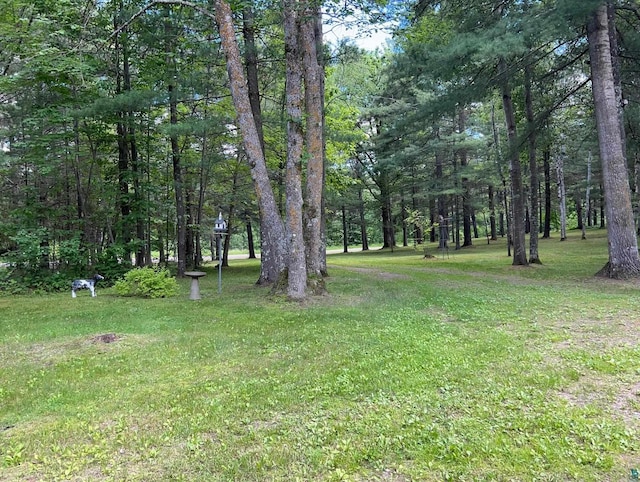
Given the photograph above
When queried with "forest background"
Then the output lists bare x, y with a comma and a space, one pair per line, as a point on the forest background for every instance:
129, 126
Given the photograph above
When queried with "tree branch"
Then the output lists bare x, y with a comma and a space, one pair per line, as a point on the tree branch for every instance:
153, 3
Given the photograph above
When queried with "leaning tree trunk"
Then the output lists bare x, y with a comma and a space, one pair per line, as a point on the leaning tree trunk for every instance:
517, 197
251, 61
273, 247
624, 261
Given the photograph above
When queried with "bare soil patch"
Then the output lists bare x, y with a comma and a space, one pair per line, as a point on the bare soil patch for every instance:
106, 338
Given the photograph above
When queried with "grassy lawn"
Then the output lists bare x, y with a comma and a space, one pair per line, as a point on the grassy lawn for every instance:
451, 368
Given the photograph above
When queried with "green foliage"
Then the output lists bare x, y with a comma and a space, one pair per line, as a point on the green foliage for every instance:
72, 255
147, 283
111, 262
39, 281
29, 264
31, 249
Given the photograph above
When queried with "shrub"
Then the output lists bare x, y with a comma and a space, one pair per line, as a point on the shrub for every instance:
147, 283
72, 256
32, 250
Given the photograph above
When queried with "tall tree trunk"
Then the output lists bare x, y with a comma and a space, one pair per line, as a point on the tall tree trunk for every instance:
80, 198
124, 202
136, 175
252, 251
506, 212
345, 232
635, 189
456, 208
603, 223
492, 213
273, 242
441, 203
311, 50
190, 236
232, 209
467, 209
546, 157
181, 223
388, 231
363, 222
296, 266
624, 261
587, 196
580, 215
141, 245
203, 182
251, 63
417, 227
517, 195
403, 217
562, 195
534, 256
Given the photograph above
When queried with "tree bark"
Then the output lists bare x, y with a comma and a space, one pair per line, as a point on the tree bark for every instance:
251, 61
296, 266
273, 242
345, 232
562, 196
123, 200
311, 50
624, 261
181, 224
252, 251
546, 157
492, 213
363, 222
467, 209
534, 256
517, 197
388, 230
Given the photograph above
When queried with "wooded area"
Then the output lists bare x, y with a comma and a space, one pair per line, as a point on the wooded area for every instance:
128, 126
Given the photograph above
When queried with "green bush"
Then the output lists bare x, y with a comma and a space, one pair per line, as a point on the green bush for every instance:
147, 283
32, 250
73, 257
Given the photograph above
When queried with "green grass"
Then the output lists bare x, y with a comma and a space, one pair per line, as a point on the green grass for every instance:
451, 368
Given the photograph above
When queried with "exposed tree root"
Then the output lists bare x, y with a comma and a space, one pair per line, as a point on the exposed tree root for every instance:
619, 272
